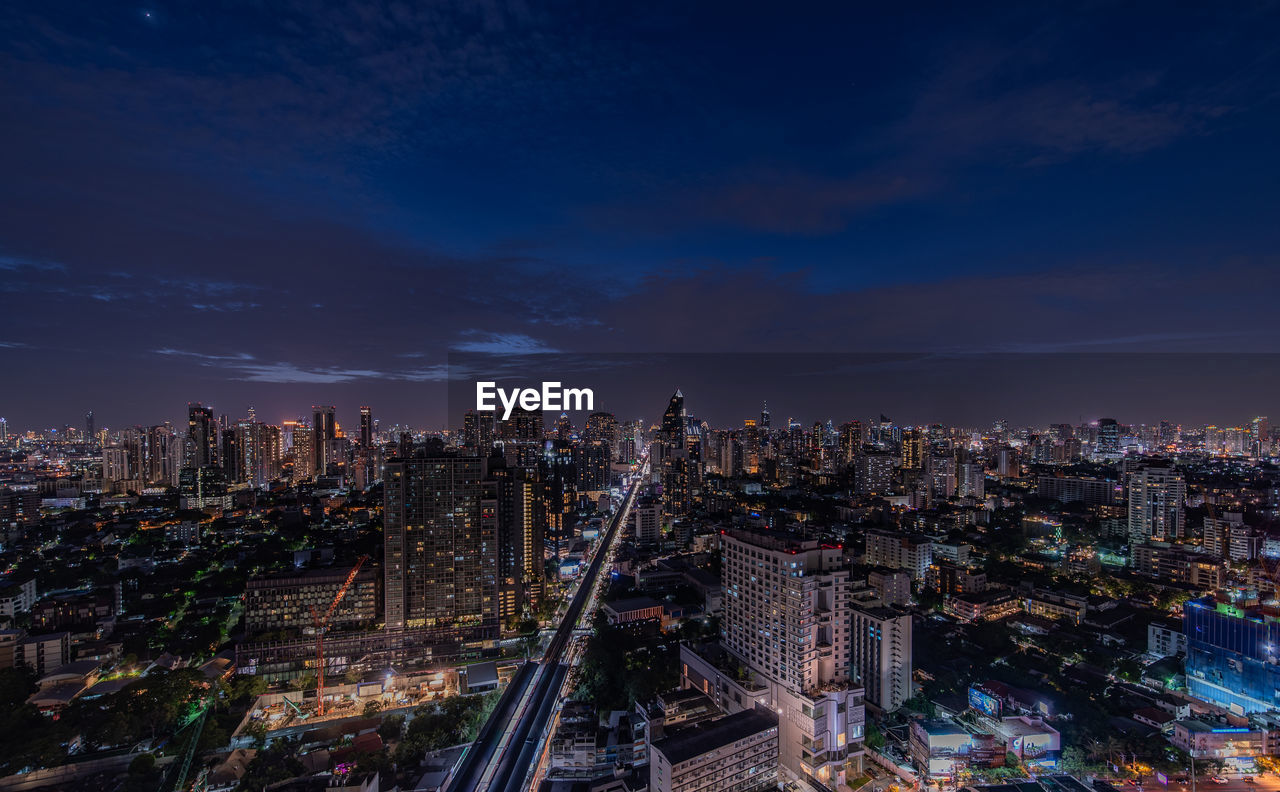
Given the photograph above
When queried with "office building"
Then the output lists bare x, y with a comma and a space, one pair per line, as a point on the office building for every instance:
671, 461
366, 427
324, 429
201, 448
1233, 655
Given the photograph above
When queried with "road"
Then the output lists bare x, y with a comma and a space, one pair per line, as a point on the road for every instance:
504, 752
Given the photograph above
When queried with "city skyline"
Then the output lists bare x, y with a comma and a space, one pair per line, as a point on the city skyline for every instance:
973, 390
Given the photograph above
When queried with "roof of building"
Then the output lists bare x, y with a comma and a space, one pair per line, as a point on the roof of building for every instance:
632, 604
79, 669
709, 735
482, 674
1153, 714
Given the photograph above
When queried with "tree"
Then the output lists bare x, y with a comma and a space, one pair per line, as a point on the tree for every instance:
142, 764
372, 708
873, 738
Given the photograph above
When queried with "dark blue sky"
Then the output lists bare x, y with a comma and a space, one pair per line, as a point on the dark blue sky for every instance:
287, 203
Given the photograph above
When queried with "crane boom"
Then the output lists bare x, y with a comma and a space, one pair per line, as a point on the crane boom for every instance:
322, 623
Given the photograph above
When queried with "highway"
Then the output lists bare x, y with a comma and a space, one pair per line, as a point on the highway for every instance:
507, 747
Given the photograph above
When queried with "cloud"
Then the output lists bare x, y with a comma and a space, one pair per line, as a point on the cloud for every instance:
13, 264
247, 368
501, 344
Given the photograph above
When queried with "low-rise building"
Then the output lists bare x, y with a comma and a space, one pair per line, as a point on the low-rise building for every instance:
1165, 639
735, 752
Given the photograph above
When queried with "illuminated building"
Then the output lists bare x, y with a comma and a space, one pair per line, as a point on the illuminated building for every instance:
1108, 437
366, 427
440, 540
738, 752
304, 454
1233, 655
516, 495
786, 609
911, 552
324, 439
671, 459
750, 446
880, 654
850, 441
287, 602
1156, 495
153, 454
477, 432
1228, 537
872, 473
1215, 741
1090, 491
521, 435
201, 448
912, 449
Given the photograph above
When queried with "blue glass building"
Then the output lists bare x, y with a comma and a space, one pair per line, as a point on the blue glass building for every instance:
1233, 655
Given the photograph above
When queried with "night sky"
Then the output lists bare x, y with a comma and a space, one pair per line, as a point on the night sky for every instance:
290, 203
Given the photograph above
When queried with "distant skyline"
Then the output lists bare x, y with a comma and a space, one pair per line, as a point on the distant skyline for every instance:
724, 389
303, 203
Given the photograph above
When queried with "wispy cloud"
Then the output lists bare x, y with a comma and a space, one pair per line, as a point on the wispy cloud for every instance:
501, 344
245, 367
13, 264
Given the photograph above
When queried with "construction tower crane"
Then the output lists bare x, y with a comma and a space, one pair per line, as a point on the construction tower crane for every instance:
322, 622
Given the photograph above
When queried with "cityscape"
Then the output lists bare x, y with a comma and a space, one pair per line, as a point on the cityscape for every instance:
567, 396
577, 601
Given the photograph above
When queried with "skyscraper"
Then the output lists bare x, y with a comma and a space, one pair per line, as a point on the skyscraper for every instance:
1108, 436
603, 426
912, 449
366, 427
303, 451
521, 435
850, 441
201, 448
440, 543
516, 497
751, 446
786, 614
1156, 495
477, 432
672, 458
325, 432
88, 426
880, 649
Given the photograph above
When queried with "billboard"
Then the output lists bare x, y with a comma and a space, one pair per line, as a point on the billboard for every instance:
984, 702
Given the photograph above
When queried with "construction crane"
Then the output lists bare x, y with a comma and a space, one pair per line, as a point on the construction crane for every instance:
322, 622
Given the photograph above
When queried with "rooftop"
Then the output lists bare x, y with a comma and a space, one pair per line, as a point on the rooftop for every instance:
709, 735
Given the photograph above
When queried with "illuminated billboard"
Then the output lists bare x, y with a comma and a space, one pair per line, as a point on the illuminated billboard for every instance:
984, 702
